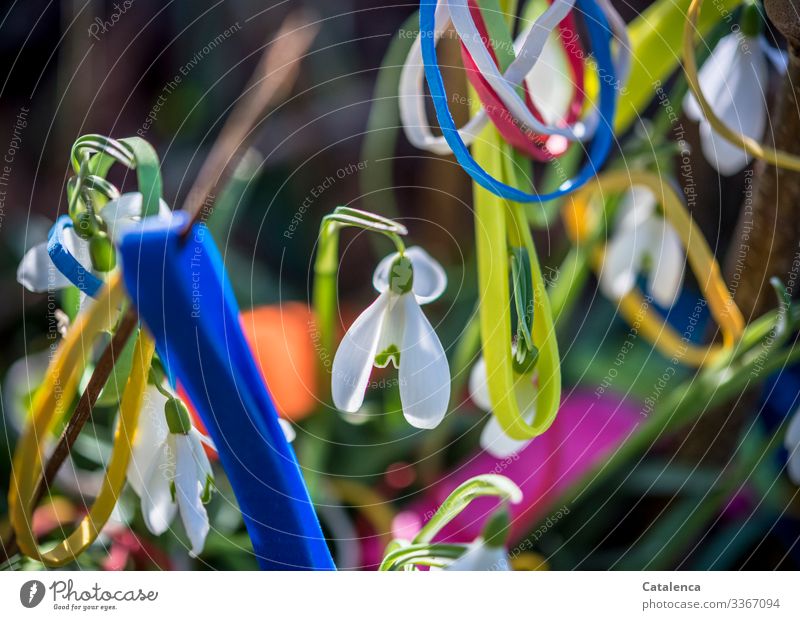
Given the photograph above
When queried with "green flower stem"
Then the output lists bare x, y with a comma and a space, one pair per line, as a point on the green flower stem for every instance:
487, 485
542, 214
324, 299
424, 554
572, 275
148, 174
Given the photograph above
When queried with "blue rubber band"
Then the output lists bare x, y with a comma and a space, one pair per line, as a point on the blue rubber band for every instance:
186, 301
66, 263
600, 37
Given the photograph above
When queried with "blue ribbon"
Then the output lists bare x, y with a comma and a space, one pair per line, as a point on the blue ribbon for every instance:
66, 263
600, 37
183, 294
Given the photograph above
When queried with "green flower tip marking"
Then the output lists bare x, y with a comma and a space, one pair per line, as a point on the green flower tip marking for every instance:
102, 252
401, 276
390, 354
751, 22
496, 530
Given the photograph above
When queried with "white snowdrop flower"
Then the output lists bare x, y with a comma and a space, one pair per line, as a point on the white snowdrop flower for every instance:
643, 239
394, 329
38, 274
734, 80
493, 438
169, 469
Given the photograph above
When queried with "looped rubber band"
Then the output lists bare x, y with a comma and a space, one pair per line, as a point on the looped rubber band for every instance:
413, 116
600, 37
497, 228
464, 13
62, 378
66, 263
505, 85
539, 147
633, 306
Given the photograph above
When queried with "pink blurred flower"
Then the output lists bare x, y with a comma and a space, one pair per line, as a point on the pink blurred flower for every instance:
586, 431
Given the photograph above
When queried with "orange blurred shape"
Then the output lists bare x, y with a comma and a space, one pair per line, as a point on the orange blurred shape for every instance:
282, 343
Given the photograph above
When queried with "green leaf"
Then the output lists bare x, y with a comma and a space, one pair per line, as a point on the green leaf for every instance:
148, 174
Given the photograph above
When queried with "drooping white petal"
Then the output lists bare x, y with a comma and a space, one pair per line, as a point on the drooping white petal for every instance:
430, 279
352, 363
195, 439
621, 262
148, 442
712, 75
390, 342
667, 261
188, 492
424, 372
288, 430
480, 557
479, 385
723, 156
158, 509
550, 81
125, 211
635, 206
740, 103
37, 273
494, 439
19, 386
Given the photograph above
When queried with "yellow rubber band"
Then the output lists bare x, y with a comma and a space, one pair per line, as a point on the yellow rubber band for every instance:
781, 159
62, 376
28, 459
633, 307
498, 224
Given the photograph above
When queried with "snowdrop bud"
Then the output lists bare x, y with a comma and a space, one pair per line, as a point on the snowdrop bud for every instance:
495, 532
102, 252
177, 417
86, 224
751, 22
401, 276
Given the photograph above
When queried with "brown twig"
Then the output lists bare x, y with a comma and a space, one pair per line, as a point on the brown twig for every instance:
272, 79
83, 411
